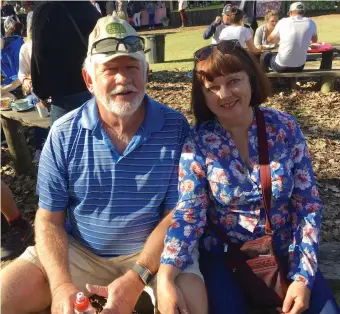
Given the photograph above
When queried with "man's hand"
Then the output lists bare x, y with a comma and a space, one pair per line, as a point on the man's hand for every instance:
63, 298
297, 299
170, 298
122, 294
218, 20
27, 85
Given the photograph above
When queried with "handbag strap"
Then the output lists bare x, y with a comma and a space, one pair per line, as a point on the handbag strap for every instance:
265, 177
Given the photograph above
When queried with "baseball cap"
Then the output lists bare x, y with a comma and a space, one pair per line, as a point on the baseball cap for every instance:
112, 37
297, 6
227, 9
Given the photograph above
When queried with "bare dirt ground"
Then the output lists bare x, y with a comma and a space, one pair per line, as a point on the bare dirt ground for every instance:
318, 115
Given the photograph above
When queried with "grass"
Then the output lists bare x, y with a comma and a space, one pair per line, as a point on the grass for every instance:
180, 44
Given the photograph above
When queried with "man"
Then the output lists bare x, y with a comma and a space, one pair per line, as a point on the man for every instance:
215, 28
294, 34
111, 167
60, 33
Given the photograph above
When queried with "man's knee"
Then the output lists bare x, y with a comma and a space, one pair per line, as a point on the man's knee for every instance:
18, 280
193, 288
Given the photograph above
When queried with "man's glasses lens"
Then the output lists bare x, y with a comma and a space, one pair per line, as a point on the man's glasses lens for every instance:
112, 45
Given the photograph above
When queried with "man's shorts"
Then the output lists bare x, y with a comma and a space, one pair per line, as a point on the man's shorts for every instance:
88, 268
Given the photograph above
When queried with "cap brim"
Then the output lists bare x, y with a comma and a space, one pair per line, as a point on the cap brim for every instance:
104, 58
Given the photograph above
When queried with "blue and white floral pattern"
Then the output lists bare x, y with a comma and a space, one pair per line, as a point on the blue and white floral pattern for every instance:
214, 182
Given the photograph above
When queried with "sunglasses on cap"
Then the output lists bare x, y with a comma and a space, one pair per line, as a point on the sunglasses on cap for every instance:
112, 45
224, 46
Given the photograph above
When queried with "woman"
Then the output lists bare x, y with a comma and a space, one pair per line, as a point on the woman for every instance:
262, 33
239, 32
219, 181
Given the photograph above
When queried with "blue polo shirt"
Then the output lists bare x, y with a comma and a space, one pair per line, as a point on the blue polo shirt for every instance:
113, 201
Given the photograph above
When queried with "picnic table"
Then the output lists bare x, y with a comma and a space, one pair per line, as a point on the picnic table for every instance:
12, 122
325, 71
327, 54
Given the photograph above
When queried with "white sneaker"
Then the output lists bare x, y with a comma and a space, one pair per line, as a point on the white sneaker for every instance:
36, 156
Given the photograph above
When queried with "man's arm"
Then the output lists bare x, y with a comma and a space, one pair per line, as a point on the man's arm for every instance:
123, 293
151, 254
210, 31
315, 38
274, 37
52, 246
52, 249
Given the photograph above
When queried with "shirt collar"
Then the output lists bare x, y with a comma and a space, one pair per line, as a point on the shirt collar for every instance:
153, 121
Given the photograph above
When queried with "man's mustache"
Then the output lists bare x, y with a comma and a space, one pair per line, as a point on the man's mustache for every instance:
123, 89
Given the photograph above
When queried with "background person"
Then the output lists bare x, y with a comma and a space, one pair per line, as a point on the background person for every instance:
59, 44
182, 5
219, 181
16, 232
96, 5
137, 9
110, 168
238, 32
294, 34
215, 28
10, 51
262, 33
151, 8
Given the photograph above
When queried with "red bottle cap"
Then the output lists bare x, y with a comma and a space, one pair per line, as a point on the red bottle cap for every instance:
81, 303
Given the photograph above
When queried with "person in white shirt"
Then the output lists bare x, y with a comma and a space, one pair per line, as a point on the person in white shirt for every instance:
239, 32
294, 34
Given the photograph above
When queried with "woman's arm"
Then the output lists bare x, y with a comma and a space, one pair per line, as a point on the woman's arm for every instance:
189, 219
306, 208
258, 37
252, 48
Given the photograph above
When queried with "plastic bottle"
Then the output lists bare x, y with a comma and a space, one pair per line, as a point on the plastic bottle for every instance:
82, 305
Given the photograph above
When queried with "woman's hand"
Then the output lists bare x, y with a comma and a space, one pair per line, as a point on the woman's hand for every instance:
297, 299
170, 299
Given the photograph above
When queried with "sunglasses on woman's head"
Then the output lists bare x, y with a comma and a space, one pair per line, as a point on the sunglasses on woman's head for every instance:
224, 46
112, 45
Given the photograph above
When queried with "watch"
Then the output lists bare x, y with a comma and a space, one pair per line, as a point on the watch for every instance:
144, 273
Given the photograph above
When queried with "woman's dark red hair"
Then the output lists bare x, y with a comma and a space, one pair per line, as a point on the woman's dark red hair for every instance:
219, 64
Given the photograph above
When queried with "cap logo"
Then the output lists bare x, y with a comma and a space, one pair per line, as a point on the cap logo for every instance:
115, 28
299, 6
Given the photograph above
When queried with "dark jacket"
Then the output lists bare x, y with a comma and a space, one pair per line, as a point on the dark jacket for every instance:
58, 50
214, 30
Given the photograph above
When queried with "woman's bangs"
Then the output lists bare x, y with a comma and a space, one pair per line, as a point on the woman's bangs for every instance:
218, 64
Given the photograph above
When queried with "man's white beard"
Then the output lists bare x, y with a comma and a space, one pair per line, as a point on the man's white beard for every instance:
122, 108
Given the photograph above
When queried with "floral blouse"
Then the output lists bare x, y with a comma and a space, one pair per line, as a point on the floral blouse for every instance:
215, 183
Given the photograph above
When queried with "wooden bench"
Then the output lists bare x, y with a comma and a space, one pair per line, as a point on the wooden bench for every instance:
327, 77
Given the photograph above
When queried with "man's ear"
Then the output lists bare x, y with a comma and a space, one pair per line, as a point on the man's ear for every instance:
88, 80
